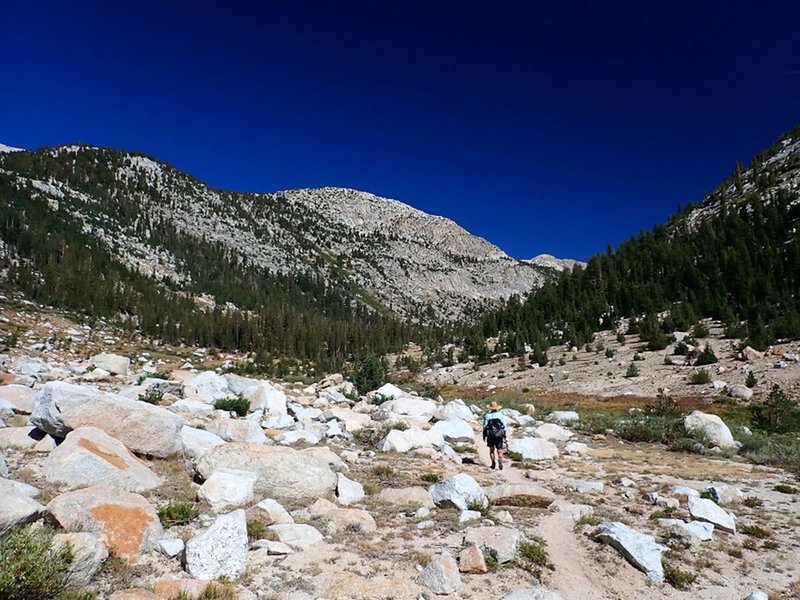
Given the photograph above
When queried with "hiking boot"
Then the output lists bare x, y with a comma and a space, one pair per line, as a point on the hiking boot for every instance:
501, 465
493, 465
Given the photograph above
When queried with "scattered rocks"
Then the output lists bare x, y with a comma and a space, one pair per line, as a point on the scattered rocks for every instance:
706, 510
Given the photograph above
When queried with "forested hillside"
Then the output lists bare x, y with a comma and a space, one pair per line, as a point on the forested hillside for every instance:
734, 257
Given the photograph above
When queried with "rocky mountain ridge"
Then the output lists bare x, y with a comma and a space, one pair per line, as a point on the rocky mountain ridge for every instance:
389, 253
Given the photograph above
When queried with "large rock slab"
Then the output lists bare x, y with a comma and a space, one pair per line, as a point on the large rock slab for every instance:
456, 409
533, 448
227, 489
562, 417
221, 550
712, 427
740, 392
127, 523
454, 430
502, 540
342, 519
706, 510
639, 549
411, 406
552, 432
266, 397
207, 387
441, 575
89, 456
143, 428
403, 441
18, 397
88, 553
283, 473
459, 491
415, 496
113, 363
520, 494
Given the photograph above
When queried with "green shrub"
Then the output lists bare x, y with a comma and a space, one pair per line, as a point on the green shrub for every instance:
609, 353
621, 339
257, 530
784, 488
30, 567
700, 330
755, 531
633, 371
430, 477
668, 360
700, 377
379, 399
70, 595
778, 413
239, 405
152, 395
177, 513
383, 471
680, 349
638, 357
678, 578
707, 357
751, 380
664, 405
753, 502
371, 373
213, 591
532, 556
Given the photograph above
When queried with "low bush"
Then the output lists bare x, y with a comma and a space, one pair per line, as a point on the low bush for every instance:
239, 405
707, 357
177, 513
700, 377
532, 556
152, 395
778, 413
30, 567
633, 370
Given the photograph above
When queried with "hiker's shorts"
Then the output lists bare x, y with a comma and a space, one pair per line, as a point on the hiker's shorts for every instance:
495, 443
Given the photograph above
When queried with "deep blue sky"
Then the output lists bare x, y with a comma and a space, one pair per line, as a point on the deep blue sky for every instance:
543, 126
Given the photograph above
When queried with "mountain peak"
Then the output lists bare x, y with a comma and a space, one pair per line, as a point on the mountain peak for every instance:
4, 148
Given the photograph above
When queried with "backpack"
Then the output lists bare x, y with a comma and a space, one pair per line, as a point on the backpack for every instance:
494, 428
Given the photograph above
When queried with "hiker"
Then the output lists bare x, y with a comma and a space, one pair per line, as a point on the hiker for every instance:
494, 433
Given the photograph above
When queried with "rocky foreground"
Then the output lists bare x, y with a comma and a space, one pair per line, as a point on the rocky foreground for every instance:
315, 493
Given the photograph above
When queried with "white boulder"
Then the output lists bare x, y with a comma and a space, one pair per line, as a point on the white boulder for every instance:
220, 551
459, 491
639, 549
533, 448
227, 489
711, 426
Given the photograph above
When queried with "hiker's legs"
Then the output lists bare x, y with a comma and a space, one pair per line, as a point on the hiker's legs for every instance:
492, 455
500, 457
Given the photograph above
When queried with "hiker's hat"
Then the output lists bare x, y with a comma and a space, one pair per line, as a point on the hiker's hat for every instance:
494, 405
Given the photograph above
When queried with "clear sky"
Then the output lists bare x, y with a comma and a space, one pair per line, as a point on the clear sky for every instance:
544, 126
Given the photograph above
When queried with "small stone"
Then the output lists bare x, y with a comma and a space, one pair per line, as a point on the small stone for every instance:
471, 560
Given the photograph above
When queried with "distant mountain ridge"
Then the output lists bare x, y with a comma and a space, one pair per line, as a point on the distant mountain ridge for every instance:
389, 255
